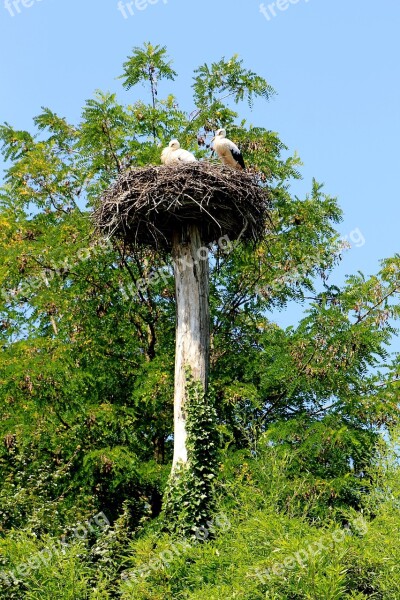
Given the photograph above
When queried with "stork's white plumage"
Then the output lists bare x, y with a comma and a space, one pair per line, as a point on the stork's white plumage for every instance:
173, 154
227, 151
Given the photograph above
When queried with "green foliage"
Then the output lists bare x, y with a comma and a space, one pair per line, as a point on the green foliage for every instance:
228, 77
188, 501
45, 569
261, 548
326, 463
86, 370
147, 65
268, 553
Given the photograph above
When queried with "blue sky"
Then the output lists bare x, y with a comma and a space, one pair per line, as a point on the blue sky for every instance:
334, 65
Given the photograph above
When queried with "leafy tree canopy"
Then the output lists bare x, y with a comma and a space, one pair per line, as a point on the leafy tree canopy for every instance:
86, 367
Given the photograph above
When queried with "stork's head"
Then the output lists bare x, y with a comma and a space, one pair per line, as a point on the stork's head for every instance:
221, 133
174, 145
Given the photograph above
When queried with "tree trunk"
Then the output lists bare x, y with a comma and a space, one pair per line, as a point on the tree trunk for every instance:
192, 325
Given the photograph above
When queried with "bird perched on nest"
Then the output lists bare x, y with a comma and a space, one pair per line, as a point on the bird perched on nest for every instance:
173, 154
227, 151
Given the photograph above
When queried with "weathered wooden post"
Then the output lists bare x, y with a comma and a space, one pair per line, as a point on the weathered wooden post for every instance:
192, 344
185, 210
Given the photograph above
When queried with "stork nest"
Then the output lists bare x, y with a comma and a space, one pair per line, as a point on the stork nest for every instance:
145, 206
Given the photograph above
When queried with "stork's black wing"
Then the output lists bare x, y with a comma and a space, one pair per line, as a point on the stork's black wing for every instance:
238, 156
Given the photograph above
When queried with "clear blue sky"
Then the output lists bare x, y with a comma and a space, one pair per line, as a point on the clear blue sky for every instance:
334, 64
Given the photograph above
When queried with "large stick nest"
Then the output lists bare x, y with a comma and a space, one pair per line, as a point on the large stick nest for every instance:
145, 206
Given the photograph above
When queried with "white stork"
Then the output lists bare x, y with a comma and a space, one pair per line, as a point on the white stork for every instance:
173, 154
227, 151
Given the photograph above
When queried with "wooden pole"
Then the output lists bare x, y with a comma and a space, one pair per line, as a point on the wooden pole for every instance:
191, 269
